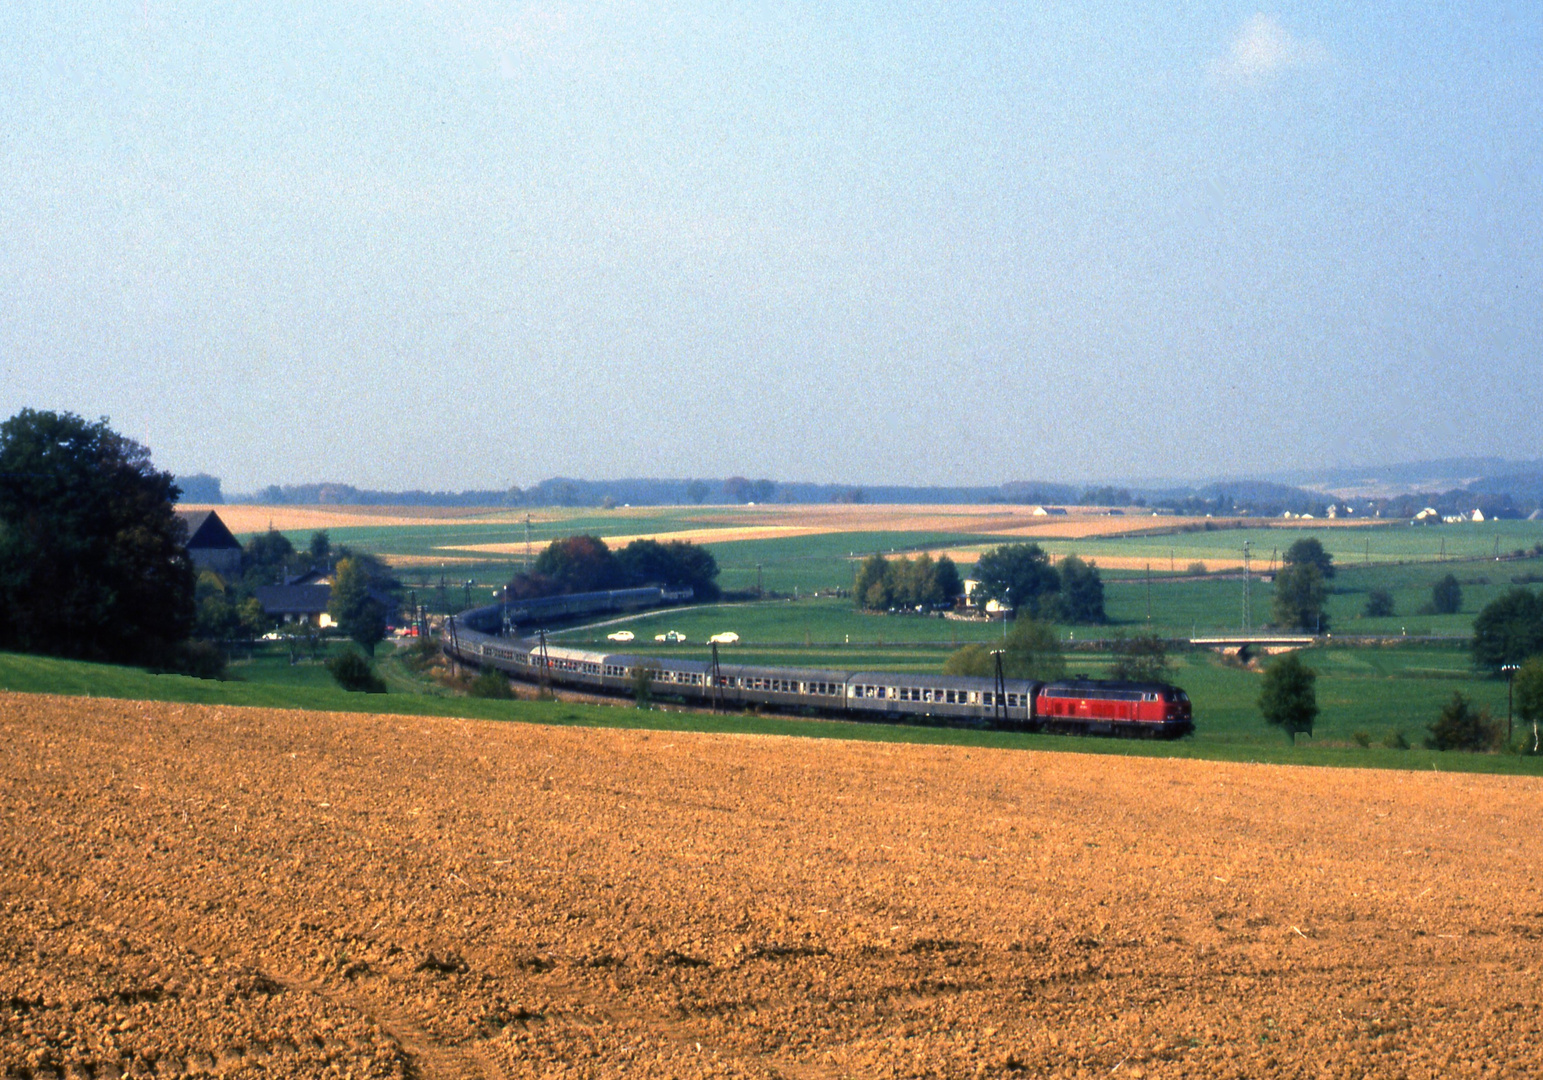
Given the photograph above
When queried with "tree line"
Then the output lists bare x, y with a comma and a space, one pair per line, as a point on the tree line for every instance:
577, 564
1018, 576
906, 583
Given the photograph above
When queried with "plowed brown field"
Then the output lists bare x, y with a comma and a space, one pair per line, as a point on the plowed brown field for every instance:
202, 891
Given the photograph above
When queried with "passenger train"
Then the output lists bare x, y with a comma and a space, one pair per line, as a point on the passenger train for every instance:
1073, 706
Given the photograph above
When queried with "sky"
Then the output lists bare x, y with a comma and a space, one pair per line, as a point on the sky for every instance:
458, 244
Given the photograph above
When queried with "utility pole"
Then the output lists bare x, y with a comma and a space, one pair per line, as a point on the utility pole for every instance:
1149, 592
1247, 581
527, 543
717, 682
544, 673
1510, 674
999, 706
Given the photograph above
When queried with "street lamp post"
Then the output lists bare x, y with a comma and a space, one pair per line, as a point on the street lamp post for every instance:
1510, 676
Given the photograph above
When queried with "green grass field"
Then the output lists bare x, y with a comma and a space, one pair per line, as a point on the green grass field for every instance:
1373, 691
1357, 546
1399, 557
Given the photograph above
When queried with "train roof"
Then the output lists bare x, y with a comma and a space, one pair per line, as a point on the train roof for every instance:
777, 672
1107, 684
663, 663
947, 682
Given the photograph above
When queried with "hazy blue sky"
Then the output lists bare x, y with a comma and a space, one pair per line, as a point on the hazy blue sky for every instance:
455, 243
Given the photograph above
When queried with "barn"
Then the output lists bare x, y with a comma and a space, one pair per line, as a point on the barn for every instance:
211, 545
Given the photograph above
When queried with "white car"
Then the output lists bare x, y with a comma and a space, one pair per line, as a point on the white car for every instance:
620, 635
670, 636
728, 637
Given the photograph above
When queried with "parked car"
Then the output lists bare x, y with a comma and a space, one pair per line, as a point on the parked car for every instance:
620, 635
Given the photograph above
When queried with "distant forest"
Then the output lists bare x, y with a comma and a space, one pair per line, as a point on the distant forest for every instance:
1512, 491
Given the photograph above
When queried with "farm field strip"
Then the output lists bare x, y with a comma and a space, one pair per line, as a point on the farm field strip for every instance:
251, 892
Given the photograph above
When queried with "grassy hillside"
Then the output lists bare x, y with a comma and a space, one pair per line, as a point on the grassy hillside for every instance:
1377, 692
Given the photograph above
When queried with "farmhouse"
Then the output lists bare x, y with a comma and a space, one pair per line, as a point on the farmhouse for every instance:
211, 546
296, 603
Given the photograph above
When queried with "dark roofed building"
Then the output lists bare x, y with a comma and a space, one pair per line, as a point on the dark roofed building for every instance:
211, 545
296, 603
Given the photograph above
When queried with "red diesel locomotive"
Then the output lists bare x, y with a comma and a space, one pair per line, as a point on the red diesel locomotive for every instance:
1095, 706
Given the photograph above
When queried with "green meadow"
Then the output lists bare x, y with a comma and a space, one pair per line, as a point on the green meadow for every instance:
1380, 680
1366, 694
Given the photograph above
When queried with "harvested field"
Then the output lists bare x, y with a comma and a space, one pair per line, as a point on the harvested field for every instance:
219, 891
241, 518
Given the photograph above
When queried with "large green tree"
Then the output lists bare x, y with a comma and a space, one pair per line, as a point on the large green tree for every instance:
1446, 596
1509, 630
1299, 597
1082, 591
1528, 689
266, 558
1308, 551
1289, 698
906, 583
580, 564
1020, 576
92, 556
674, 564
353, 607
949, 584
872, 587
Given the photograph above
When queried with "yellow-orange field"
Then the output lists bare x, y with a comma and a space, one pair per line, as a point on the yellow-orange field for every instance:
199, 891
723, 524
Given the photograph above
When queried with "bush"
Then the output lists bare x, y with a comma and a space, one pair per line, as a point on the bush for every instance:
1379, 604
1462, 727
1395, 740
492, 684
1196, 569
421, 655
643, 681
353, 672
1032, 651
1142, 658
1447, 596
200, 659
1363, 739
